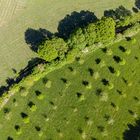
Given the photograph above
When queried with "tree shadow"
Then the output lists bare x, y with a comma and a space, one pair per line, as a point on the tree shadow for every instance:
3, 89
22, 74
74, 20
10, 81
117, 14
135, 10
133, 133
29, 68
110, 13
35, 37
137, 3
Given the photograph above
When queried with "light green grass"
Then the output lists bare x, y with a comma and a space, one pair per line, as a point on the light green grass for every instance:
17, 15
61, 114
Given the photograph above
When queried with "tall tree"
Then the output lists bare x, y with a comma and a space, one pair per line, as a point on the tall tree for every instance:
52, 49
105, 29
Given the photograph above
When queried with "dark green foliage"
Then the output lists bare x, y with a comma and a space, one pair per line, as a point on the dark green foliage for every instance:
52, 49
105, 30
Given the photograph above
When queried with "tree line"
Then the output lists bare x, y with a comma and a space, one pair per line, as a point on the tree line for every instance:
58, 48
102, 31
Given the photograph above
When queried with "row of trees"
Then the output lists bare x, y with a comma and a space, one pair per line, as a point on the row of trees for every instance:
101, 31
56, 48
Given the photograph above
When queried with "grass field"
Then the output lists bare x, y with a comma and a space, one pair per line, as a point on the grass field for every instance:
94, 98
17, 15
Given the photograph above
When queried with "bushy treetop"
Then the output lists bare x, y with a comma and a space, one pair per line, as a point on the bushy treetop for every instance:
105, 30
52, 49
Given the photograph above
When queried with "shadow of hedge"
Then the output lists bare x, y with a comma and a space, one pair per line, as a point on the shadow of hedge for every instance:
75, 20
35, 37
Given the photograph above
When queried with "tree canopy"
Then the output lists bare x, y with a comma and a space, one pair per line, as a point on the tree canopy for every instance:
137, 3
101, 31
52, 49
77, 39
105, 30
